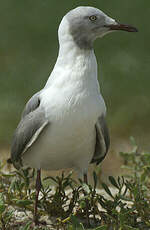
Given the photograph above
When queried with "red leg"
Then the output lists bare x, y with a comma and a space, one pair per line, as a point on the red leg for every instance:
87, 202
38, 187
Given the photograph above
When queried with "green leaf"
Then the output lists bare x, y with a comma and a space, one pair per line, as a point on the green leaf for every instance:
104, 227
2, 204
105, 187
76, 224
8, 175
51, 178
26, 227
23, 202
143, 177
126, 227
113, 181
125, 198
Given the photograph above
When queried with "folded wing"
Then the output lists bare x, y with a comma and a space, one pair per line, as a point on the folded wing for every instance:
32, 124
102, 141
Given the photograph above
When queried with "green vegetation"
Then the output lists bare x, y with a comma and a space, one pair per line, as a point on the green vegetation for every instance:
126, 205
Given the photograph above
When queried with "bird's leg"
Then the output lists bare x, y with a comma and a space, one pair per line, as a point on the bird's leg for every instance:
85, 178
38, 187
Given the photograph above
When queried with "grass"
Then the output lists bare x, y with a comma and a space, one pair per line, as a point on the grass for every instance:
126, 209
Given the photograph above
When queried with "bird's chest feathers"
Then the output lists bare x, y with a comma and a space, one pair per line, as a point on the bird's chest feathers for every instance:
73, 92
73, 105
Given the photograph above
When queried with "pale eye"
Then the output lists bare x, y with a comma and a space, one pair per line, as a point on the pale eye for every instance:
93, 18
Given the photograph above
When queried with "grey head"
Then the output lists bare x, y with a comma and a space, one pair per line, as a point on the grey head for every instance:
88, 23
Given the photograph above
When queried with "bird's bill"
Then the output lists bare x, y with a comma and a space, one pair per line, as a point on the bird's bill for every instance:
124, 27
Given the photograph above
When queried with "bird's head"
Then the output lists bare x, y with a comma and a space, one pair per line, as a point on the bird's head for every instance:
86, 24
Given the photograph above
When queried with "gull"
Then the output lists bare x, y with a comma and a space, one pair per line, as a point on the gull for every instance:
63, 125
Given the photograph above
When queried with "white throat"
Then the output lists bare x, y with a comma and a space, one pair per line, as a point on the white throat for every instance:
74, 65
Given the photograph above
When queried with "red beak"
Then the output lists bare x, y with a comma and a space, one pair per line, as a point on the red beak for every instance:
119, 26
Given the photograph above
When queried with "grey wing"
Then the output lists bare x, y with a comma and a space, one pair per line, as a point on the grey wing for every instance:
32, 124
102, 141
32, 104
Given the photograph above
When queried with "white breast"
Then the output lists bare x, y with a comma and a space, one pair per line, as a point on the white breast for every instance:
72, 104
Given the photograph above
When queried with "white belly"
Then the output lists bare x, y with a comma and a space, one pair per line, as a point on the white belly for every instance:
64, 147
69, 140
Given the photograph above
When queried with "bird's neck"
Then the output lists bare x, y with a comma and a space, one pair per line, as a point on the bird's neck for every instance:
74, 66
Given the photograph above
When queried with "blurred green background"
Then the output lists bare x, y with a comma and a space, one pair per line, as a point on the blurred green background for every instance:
28, 51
